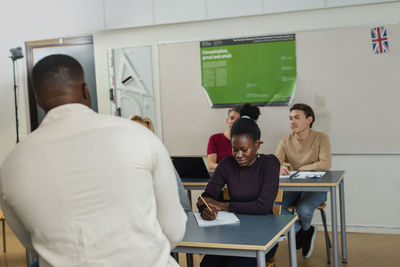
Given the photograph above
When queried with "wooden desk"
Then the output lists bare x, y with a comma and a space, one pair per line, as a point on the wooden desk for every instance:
254, 236
328, 183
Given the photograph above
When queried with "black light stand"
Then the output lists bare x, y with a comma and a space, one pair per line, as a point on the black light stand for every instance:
16, 53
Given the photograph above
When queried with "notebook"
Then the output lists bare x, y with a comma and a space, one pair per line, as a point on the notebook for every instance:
303, 175
223, 217
190, 167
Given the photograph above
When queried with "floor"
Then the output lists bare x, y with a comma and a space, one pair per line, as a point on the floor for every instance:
363, 250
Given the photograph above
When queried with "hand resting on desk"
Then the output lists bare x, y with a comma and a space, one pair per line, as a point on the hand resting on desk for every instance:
284, 171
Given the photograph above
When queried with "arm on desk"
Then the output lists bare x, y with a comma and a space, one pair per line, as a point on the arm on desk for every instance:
280, 153
212, 194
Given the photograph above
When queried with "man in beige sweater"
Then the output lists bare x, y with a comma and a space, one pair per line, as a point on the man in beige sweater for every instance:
305, 150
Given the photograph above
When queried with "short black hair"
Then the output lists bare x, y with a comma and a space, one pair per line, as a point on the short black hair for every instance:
54, 71
247, 124
306, 109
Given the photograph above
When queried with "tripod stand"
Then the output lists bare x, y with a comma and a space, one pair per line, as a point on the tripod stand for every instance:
16, 53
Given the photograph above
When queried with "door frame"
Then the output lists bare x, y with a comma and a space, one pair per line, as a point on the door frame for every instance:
29, 47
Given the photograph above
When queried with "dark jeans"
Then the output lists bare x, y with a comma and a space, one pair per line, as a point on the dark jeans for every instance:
231, 261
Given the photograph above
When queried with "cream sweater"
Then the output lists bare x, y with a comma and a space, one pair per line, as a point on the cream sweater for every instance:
91, 190
314, 153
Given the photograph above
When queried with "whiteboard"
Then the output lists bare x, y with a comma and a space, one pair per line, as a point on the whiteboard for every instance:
354, 94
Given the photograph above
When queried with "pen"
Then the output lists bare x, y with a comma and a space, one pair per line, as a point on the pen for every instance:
294, 175
206, 203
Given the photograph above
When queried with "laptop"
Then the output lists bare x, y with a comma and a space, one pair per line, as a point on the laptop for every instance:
190, 167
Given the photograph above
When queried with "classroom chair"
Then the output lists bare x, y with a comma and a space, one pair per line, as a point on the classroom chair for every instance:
3, 222
327, 239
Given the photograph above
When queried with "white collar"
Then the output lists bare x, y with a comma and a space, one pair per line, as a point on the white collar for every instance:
65, 111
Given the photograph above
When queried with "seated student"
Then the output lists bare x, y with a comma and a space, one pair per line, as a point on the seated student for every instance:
219, 145
146, 122
252, 179
305, 150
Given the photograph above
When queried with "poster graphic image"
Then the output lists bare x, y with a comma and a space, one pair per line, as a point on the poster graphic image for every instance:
259, 70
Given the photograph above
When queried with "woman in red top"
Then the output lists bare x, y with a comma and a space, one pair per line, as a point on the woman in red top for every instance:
219, 145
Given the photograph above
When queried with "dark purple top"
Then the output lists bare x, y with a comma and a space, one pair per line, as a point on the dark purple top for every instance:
252, 189
218, 143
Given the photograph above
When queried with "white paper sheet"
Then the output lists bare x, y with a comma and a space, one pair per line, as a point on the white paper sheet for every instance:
307, 175
288, 176
224, 217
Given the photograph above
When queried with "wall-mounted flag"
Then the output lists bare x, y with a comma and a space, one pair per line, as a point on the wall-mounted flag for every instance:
380, 43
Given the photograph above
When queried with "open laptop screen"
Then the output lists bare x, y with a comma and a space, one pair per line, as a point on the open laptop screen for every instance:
190, 167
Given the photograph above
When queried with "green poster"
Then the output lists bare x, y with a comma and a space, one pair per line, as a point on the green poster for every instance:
259, 70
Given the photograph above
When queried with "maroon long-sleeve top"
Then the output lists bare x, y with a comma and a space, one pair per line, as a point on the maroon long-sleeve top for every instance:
252, 189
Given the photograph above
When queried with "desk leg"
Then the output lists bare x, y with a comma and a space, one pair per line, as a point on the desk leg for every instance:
334, 227
292, 247
261, 258
189, 260
189, 194
343, 222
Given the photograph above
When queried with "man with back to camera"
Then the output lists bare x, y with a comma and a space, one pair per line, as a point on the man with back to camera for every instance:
305, 150
86, 189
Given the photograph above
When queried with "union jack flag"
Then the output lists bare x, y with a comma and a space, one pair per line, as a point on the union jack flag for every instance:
380, 43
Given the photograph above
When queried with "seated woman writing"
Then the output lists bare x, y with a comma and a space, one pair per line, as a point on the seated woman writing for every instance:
252, 180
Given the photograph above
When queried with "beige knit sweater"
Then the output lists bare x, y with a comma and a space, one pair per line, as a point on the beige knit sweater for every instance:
314, 153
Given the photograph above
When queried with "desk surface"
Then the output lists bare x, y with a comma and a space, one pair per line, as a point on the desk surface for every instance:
254, 232
331, 178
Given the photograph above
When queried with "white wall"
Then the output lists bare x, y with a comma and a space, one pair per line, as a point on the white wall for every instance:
24, 20
134, 13
362, 171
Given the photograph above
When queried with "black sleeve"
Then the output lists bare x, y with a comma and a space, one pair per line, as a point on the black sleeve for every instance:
214, 187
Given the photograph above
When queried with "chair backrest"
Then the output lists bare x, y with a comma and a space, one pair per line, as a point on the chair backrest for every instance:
276, 209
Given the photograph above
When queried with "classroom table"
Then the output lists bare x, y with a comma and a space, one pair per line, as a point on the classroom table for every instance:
327, 183
254, 236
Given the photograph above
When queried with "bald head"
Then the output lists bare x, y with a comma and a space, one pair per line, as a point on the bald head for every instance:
59, 80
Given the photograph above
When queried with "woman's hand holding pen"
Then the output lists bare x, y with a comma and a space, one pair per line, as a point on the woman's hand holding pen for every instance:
209, 214
212, 207
216, 204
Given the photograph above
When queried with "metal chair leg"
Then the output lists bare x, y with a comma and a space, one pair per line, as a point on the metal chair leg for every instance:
327, 239
189, 259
